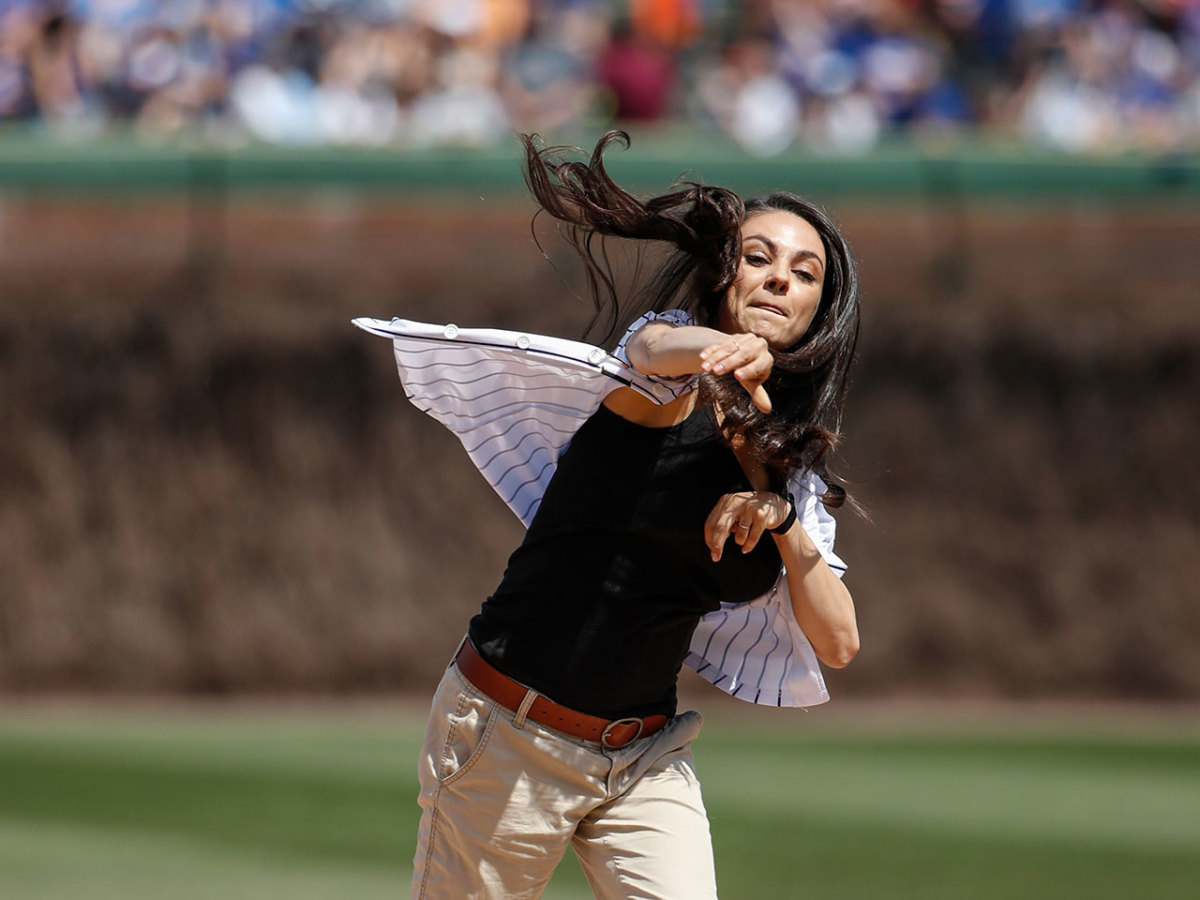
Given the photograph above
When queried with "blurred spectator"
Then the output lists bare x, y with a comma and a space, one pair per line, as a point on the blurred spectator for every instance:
54, 72
750, 99
639, 73
666, 23
833, 75
546, 80
463, 106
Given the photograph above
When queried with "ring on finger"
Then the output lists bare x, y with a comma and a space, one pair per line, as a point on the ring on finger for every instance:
743, 525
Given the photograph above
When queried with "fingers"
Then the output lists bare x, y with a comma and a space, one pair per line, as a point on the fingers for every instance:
748, 358
722, 522
747, 533
717, 528
737, 352
758, 396
741, 516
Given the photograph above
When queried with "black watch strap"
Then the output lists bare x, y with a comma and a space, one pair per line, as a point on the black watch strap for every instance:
784, 526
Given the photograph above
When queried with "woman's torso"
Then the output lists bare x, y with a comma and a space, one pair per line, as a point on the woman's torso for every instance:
597, 606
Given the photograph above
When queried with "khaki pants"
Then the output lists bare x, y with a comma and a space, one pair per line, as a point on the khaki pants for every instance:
502, 797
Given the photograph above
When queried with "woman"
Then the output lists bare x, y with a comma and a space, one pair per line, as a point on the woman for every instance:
687, 497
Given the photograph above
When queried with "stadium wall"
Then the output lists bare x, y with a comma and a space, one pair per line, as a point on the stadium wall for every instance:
211, 483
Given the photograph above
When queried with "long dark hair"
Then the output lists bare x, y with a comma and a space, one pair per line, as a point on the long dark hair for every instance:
700, 226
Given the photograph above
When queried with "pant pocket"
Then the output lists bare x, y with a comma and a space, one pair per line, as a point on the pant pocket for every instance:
674, 740
468, 726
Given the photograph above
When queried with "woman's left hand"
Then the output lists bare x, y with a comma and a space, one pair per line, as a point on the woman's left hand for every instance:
744, 516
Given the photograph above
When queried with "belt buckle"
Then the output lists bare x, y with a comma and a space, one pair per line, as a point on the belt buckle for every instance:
631, 720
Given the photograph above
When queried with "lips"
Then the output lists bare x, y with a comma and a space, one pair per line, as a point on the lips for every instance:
768, 307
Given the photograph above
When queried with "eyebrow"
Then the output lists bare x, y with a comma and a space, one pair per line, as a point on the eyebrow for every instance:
806, 254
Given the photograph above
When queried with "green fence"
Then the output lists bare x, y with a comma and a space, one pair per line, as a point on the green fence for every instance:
32, 163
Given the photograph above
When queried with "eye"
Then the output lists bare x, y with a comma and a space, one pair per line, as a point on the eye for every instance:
756, 259
804, 275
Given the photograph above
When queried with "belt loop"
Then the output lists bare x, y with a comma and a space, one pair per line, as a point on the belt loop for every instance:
523, 709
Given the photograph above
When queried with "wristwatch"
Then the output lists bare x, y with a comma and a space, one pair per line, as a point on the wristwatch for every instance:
784, 526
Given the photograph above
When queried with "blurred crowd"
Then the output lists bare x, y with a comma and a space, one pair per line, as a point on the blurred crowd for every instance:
835, 75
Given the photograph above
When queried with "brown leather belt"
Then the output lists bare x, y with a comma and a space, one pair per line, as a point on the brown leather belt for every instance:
611, 733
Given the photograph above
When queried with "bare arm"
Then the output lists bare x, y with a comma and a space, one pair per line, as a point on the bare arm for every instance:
821, 603
662, 349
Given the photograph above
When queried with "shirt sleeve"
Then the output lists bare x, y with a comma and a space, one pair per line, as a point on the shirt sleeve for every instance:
757, 651
513, 399
679, 385
807, 489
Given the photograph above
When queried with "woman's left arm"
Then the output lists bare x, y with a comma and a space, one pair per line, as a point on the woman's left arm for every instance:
822, 604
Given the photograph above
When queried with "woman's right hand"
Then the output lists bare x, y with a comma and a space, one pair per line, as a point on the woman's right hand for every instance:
748, 357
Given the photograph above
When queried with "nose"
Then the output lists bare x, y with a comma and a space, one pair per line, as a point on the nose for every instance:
777, 282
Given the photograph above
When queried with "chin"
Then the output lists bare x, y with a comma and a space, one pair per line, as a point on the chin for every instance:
780, 332
777, 334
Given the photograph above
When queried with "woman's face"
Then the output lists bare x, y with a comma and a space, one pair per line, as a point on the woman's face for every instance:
779, 280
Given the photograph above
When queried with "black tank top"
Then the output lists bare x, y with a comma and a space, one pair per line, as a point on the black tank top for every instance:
597, 606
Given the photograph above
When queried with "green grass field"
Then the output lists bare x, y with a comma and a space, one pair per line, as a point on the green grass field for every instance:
271, 804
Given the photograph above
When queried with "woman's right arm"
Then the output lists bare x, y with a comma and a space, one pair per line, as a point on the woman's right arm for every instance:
667, 350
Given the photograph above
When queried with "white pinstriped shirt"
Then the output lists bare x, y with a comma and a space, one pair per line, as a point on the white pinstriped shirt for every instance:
515, 401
